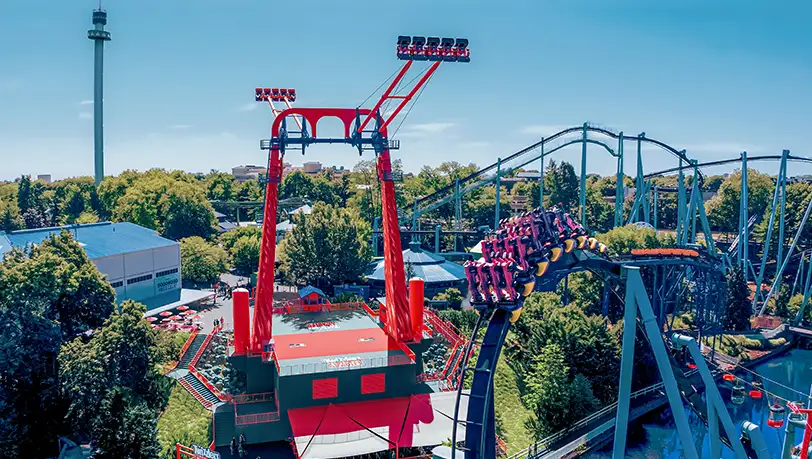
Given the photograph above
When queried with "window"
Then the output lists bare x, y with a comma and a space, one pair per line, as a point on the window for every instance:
373, 384
139, 279
166, 273
325, 388
117, 284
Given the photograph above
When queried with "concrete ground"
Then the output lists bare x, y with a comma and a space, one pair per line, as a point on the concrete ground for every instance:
223, 307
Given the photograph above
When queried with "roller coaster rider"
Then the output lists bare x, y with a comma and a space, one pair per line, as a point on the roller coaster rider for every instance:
518, 251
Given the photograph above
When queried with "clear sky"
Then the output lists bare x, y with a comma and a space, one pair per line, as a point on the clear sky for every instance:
713, 77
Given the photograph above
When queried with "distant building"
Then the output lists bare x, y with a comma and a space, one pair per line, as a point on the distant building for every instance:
138, 263
247, 172
311, 167
44, 177
223, 225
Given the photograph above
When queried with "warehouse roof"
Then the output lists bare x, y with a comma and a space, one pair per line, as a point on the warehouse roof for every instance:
98, 239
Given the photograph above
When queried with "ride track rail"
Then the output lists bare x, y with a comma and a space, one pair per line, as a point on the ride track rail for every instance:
469, 182
532, 252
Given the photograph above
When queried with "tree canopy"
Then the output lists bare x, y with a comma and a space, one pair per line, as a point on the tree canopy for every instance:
201, 261
327, 247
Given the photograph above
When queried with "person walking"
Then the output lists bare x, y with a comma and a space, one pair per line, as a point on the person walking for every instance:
233, 446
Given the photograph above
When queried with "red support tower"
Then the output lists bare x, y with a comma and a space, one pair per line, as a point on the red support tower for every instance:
398, 321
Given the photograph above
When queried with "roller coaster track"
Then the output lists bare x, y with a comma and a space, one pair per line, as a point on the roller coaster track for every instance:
723, 162
530, 253
526, 156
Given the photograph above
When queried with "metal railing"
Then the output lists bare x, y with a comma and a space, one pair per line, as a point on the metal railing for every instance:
259, 397
345, 364
206, 404
205, 381
258, 418
544, 444
186, 346
297, 308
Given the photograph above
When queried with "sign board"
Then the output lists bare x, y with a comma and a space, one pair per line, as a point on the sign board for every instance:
205, 453
319, 326
344, 362
167, 283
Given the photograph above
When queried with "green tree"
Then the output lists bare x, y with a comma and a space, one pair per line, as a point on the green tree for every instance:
589, 346
168, 202
561, 186
229, 239
327, 247
451, 295
296, 184
200, 261
10, 218
245, 255
555, 400
220, 186
47, 295
723, 209
113, 386
739, 308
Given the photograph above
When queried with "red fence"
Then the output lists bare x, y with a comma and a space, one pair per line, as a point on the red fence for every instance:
297, 308
255, 418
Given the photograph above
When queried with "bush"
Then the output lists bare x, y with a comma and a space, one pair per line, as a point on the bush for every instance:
184, 421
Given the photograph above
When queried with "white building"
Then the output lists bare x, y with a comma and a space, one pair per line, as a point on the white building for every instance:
138, 263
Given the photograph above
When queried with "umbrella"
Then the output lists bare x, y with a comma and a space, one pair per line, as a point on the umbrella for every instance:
189, 312
167, 319
197, 317
175, 318
151, 319
165, 314
182, 308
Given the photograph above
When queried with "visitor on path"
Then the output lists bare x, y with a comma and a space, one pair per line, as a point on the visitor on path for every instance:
233, 445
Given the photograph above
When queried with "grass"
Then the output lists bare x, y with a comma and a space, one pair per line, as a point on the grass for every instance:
509, 408
183, 421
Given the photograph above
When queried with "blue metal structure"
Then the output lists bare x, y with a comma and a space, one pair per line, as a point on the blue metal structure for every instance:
570, 252
578, 135
99, 36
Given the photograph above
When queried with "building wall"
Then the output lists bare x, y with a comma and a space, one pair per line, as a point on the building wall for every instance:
149, 276
296, 391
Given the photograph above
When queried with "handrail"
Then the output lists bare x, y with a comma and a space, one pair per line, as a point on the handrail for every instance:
199, 352
259, 397
206, 404
545, 443
186, 346
211, 387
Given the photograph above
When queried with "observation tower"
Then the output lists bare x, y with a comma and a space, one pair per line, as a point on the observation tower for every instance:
99, 36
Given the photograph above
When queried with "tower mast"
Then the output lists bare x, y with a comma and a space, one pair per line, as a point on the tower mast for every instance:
99, 36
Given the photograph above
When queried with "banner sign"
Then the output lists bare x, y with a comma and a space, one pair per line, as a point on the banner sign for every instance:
205, 453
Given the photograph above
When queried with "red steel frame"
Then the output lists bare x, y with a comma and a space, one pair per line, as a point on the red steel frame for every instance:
398, 321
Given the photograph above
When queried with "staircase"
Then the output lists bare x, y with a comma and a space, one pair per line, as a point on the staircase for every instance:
187, 356
199, 390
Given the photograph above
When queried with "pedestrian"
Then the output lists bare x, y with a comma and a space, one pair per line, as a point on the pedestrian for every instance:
233, 445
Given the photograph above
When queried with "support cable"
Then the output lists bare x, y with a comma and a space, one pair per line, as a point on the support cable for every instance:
378, 88
403, 118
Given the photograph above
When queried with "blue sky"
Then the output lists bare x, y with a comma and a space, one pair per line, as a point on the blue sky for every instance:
179, 78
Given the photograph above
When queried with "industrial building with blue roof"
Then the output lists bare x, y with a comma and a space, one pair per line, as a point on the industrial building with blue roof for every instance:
139, 263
